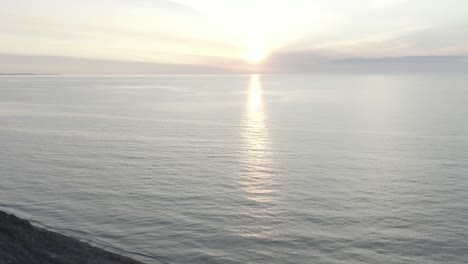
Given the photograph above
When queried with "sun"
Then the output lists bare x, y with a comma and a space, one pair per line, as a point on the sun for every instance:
255, 55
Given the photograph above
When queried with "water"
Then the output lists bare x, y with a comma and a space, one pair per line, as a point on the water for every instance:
243, 169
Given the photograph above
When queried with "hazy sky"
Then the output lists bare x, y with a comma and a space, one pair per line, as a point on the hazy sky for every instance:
234, 34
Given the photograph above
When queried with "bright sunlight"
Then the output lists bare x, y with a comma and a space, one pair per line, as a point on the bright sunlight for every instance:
255, 53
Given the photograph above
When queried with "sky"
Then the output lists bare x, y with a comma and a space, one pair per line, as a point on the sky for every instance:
203, 36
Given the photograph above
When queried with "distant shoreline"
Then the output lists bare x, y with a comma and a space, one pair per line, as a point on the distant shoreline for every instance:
23, 243
26, 73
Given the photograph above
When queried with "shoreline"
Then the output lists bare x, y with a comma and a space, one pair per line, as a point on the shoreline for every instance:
23, 243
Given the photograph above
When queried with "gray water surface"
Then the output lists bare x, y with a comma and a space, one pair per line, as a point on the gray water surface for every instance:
243, 169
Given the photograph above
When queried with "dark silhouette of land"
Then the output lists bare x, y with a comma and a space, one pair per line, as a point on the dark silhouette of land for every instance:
22, 243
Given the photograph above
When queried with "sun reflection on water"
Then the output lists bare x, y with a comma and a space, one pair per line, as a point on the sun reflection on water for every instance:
257, 178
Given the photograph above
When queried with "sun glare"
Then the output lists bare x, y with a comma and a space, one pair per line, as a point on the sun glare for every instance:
255, 55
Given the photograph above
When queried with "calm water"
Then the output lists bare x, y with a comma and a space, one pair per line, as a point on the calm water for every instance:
243, 169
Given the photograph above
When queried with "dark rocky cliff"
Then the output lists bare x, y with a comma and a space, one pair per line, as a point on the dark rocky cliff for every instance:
22, 243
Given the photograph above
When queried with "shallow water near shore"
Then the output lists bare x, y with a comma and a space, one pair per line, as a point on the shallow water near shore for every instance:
243, 169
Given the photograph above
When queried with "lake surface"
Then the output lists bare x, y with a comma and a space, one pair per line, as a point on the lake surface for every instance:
243, 169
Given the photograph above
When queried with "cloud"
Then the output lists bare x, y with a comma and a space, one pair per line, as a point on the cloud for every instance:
321, 62
449, 38
297, 33
387, 3
166, 5
11, 63
408, 59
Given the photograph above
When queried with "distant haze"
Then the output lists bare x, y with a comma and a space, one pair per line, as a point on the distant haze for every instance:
227, 36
